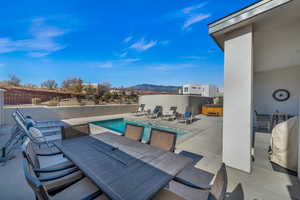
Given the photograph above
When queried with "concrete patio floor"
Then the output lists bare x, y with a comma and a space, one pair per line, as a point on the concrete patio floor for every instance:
204, 138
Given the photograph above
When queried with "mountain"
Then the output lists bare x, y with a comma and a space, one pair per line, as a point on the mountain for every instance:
155, 88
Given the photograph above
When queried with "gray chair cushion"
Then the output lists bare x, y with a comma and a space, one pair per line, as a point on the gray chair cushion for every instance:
196, 176
165, 194
58, 183
187, 192
79, 190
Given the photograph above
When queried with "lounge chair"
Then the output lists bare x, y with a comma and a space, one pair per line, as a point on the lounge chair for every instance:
134, 132
83, 189
141, 111
163, 139
47, 127
170, 114
188, 190
157, 112
64, 173
13, 143
32, 133
186, 118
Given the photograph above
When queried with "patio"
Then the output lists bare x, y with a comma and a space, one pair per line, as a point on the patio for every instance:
204, 139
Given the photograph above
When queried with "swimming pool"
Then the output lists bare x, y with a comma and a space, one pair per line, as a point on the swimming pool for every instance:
119, 125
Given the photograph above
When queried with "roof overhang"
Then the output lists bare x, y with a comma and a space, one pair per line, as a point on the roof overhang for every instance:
241, 18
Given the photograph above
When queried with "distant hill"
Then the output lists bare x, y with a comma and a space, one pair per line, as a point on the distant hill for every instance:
155, 88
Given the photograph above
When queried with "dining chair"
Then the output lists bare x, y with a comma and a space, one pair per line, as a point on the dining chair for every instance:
216, 191
262, 121
84, 189
134, 132
43, 124
75, 131
54, 177
163, 139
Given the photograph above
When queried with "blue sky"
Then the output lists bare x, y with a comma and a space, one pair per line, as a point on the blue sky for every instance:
122, 42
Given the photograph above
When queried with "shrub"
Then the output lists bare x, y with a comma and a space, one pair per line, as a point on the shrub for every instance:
36, 101
219, 100
53, 102
96, 101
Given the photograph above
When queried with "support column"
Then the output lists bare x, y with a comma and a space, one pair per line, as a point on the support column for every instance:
299, 142
238, 104
1, 107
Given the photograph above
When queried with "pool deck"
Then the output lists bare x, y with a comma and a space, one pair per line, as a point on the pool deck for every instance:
204, 138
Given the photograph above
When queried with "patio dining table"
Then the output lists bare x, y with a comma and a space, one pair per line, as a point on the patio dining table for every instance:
122, 168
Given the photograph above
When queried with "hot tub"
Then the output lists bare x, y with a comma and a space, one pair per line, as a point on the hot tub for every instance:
212, 110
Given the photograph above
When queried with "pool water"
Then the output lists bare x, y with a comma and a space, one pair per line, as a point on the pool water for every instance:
119, 125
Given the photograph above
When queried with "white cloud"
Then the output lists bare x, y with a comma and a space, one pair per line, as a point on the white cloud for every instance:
37, 54
7, 45
124, 54
194, 57
169, 67
161, 67
118, 62
129, 60
195, 19
191, 15
189, 9
41, 43
127, 39
143, 45
107, 64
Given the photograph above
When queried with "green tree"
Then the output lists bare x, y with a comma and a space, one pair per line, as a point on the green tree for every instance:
90, 89
49, 84
103, 88
73, 85
14, 80
115, 96
107, 96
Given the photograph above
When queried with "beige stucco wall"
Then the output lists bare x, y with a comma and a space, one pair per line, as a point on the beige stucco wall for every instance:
182, 102
59, 113
265, 83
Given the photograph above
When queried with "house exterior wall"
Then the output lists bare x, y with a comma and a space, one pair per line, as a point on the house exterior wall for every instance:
15, 96
265, 83
192, 89
238, 83
182, 102
68, 112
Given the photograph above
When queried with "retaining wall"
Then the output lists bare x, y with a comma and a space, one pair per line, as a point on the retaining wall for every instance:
182, 102
68, 112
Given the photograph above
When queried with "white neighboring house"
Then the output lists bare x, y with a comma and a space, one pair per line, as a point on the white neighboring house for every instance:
199, 89
220, 92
